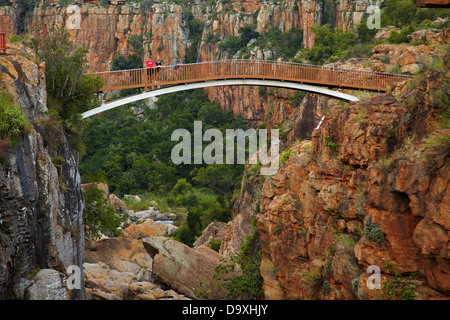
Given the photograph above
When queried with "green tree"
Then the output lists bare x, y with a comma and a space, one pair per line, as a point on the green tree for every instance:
98, 216
182, 186
69, 89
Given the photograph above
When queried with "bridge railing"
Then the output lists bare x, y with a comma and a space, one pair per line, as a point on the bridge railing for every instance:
251, 69
2, 42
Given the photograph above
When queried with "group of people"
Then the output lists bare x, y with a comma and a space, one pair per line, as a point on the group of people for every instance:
153, 68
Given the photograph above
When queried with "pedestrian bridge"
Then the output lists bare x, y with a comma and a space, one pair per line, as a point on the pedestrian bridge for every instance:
310, 78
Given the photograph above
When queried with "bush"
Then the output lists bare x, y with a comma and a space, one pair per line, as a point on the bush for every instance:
400, 37
182, 186
372, 231
285, 156
248, 260
214, 244
398, 288
12, 118
329, 43
232, 44
357, 51
401, 13
98, 216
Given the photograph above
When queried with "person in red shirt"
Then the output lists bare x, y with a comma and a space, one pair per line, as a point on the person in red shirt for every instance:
149, 64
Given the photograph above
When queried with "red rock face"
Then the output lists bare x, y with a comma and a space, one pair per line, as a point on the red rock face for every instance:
7, 20
432, 3
106, 31
354, 197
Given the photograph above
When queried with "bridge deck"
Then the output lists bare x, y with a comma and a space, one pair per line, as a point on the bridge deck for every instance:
249, 69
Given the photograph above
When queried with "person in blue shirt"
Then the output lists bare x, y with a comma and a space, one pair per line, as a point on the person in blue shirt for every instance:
176, 67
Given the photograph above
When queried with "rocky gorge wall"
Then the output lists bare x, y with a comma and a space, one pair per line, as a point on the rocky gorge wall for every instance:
41, 202
366, 191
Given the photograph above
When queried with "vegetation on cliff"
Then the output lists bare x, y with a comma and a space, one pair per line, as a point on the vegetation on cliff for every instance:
69, 89
249, 283
99, 217
12, 118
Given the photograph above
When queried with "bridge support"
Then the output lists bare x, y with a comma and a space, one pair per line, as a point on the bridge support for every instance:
232, 82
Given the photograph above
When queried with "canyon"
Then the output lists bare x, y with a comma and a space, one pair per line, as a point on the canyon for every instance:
364, 188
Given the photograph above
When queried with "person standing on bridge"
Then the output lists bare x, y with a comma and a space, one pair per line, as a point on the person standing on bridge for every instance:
158, 65
150, 70
176, 67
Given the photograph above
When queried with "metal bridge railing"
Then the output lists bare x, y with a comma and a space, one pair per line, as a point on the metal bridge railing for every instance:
3, 42
250, 69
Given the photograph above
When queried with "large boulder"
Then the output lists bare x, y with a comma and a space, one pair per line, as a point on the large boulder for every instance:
48, 284
121, 254
184, 269
148, 228
104, 283
121, 269
118, 205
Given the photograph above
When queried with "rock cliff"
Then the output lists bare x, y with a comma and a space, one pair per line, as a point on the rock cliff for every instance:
370, 189
41, 224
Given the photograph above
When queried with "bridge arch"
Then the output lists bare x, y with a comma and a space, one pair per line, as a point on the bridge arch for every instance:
216, 83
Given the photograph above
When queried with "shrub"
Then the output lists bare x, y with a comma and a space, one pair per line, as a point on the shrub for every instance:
182, 186
400, 37
51, 128
12, 118
285, 156
372, 231
439, 142
399, 287
99, 217
332, 145
215, 244
249, 262
69, 89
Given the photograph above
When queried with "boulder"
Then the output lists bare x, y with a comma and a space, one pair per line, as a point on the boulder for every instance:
129, 197
213, 231
384, 33
123, 255
118, 205
120, 269
103, 283
432, 3
48, 284
184, 269
145, 214
148, 228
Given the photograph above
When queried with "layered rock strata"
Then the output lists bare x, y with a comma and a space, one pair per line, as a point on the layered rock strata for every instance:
41, 224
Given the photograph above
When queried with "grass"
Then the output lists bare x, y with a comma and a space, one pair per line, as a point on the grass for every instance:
439, 142
332, 145
12, 118
285, 156
385, 163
